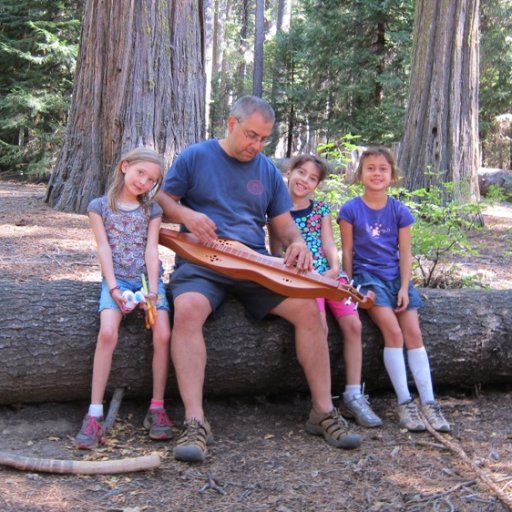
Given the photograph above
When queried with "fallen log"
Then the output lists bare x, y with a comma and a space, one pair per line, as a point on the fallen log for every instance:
500, 178
48, 333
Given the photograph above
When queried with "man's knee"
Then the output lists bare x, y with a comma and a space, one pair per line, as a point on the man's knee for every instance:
191, 309
307, 315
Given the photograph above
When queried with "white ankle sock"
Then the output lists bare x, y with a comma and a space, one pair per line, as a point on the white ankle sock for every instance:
351, 391
394, 362
96, 410
420, 369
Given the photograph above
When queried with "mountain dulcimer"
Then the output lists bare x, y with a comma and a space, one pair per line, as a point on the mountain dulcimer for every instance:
236, 260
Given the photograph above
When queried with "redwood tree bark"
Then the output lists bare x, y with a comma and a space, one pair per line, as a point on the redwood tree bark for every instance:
440, 140
139, 81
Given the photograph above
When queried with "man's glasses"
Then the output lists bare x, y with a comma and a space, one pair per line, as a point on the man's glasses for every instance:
254, 138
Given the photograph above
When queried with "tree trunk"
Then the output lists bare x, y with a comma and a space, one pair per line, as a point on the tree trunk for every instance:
213, 97
440, 142
277, 73
47, 351
241, 77
139, 81
259, 38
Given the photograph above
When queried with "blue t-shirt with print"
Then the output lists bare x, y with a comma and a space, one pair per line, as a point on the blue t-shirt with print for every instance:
375, 235
239, 197
309, 222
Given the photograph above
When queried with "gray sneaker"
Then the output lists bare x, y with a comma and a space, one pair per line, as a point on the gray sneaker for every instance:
334, 429
191, 445
359, 409
410, 417
434, 415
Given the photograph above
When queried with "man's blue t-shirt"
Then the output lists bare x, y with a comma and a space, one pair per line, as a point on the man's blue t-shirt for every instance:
239, 197
375, 235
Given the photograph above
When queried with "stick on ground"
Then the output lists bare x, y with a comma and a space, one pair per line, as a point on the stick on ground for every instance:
126, 465
115, 404
80, 467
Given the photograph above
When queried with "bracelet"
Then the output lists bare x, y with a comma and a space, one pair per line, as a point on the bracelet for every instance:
112, 290
153, 293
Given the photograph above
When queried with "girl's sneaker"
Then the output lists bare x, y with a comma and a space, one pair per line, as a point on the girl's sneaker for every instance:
158, 424
359, 409
432, 411
91, 433
410, 417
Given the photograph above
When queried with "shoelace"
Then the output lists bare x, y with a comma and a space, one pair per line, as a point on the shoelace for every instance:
435, 410
338, 418
161, 419
192, 430
412, 411
365, 399
364, 402
92, 426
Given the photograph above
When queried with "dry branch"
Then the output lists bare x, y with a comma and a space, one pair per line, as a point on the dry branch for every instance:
483, 475
115, 404
127, 465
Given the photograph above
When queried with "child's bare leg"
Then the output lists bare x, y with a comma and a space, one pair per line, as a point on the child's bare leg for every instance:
352, 348
354, 404
92, 432
410, 326
161, 353
387, 322
156, 420
110, 320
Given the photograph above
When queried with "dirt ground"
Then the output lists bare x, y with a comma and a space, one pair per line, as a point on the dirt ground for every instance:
262, 460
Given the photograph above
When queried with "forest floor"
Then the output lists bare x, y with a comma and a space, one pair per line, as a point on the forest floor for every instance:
262, 460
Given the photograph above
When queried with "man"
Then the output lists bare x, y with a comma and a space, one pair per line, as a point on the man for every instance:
227, 188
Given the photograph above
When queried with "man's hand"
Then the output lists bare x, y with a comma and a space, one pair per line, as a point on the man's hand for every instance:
298, 255
200, 225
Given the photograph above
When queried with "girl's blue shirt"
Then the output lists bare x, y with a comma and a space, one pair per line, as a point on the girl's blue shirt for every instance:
375, 235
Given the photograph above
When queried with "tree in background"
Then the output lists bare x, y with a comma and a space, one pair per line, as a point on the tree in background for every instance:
234, 63
495, 83
347, 68
259, 39
139, 81
440, 142
343, 68
38, 49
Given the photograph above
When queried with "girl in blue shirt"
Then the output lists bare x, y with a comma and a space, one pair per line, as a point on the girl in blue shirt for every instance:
376, 248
